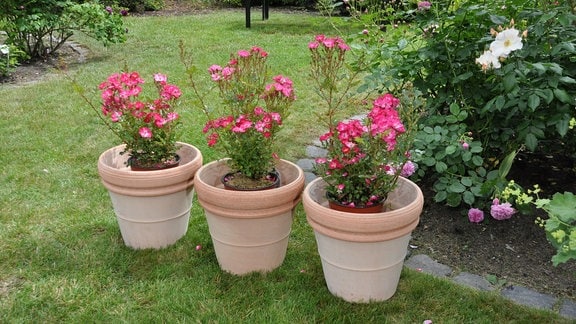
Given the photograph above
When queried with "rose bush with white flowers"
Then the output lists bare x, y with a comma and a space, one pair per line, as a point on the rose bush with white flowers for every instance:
508, 89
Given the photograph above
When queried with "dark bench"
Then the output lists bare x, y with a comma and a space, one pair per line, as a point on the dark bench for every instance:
265, 9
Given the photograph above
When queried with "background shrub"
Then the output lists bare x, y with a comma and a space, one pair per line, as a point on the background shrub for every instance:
40, 27
526, 104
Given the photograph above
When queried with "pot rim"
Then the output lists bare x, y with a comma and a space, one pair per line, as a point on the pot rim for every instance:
368, 227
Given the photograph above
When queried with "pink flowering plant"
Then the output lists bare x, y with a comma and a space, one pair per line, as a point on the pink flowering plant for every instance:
146, 127
365, 157
560, 226
253, 109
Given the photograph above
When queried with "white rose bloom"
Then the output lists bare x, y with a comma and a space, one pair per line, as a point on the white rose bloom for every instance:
506, 41
488, 60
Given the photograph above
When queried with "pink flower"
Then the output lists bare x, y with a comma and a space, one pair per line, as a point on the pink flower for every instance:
408, 169
115, 116
340, 187
329, 42
276, 117
243, 53
145, 132
160, 78
227, 72
501, 211
326, 136
424, 5
258, 111
172, 116
242, 125
170, 92
387, 101
475, 215
214, 69
335, 164
465, 145
212, 139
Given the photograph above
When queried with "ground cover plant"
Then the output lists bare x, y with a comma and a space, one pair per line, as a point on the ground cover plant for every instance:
62, 255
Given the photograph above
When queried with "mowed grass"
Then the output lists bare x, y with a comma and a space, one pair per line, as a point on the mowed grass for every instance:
62, 258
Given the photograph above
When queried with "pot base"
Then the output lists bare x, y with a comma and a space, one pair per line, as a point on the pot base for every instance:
362, 272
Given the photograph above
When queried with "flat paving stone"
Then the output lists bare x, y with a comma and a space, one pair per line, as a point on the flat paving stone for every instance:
309, 177
313, 151
424, 263
528, 297
474, 281
568, 309
306, 164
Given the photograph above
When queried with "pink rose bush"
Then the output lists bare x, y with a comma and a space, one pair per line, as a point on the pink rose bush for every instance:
365, 157
253, 108
146, 127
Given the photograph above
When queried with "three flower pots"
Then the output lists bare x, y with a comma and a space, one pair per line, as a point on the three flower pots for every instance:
152, 207
362, 254
249, 229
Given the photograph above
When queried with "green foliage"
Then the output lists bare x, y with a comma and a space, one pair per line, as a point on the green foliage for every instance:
561, 225
528, 102
10, 55
40, 27
141, 5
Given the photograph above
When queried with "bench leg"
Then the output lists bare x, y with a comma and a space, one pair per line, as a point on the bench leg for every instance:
264, 10
248, 4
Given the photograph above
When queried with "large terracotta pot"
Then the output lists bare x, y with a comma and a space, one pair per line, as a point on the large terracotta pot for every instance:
152, 207
249, 229
362, 254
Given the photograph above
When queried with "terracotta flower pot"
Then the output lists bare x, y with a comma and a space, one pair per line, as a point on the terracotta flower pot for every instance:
249, 229
152, 207
363, 254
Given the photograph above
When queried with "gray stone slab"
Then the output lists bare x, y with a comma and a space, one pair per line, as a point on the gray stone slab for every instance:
474, 281
306, 164
316, 142
528, 297
315, 151
309, 177
424, 263
568, 309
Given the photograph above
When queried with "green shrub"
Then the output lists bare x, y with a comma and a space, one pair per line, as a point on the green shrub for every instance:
527, 103
40, 27
9, 58
141, 5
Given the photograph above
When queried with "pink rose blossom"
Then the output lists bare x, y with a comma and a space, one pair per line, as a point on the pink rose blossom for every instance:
408, 169
475, 215
501, 211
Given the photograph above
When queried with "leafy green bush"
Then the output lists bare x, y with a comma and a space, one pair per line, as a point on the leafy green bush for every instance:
40, 27
141, 5
560, 226
9, 58
527, 102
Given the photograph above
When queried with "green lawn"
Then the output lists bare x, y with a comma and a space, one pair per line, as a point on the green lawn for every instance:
62, 258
